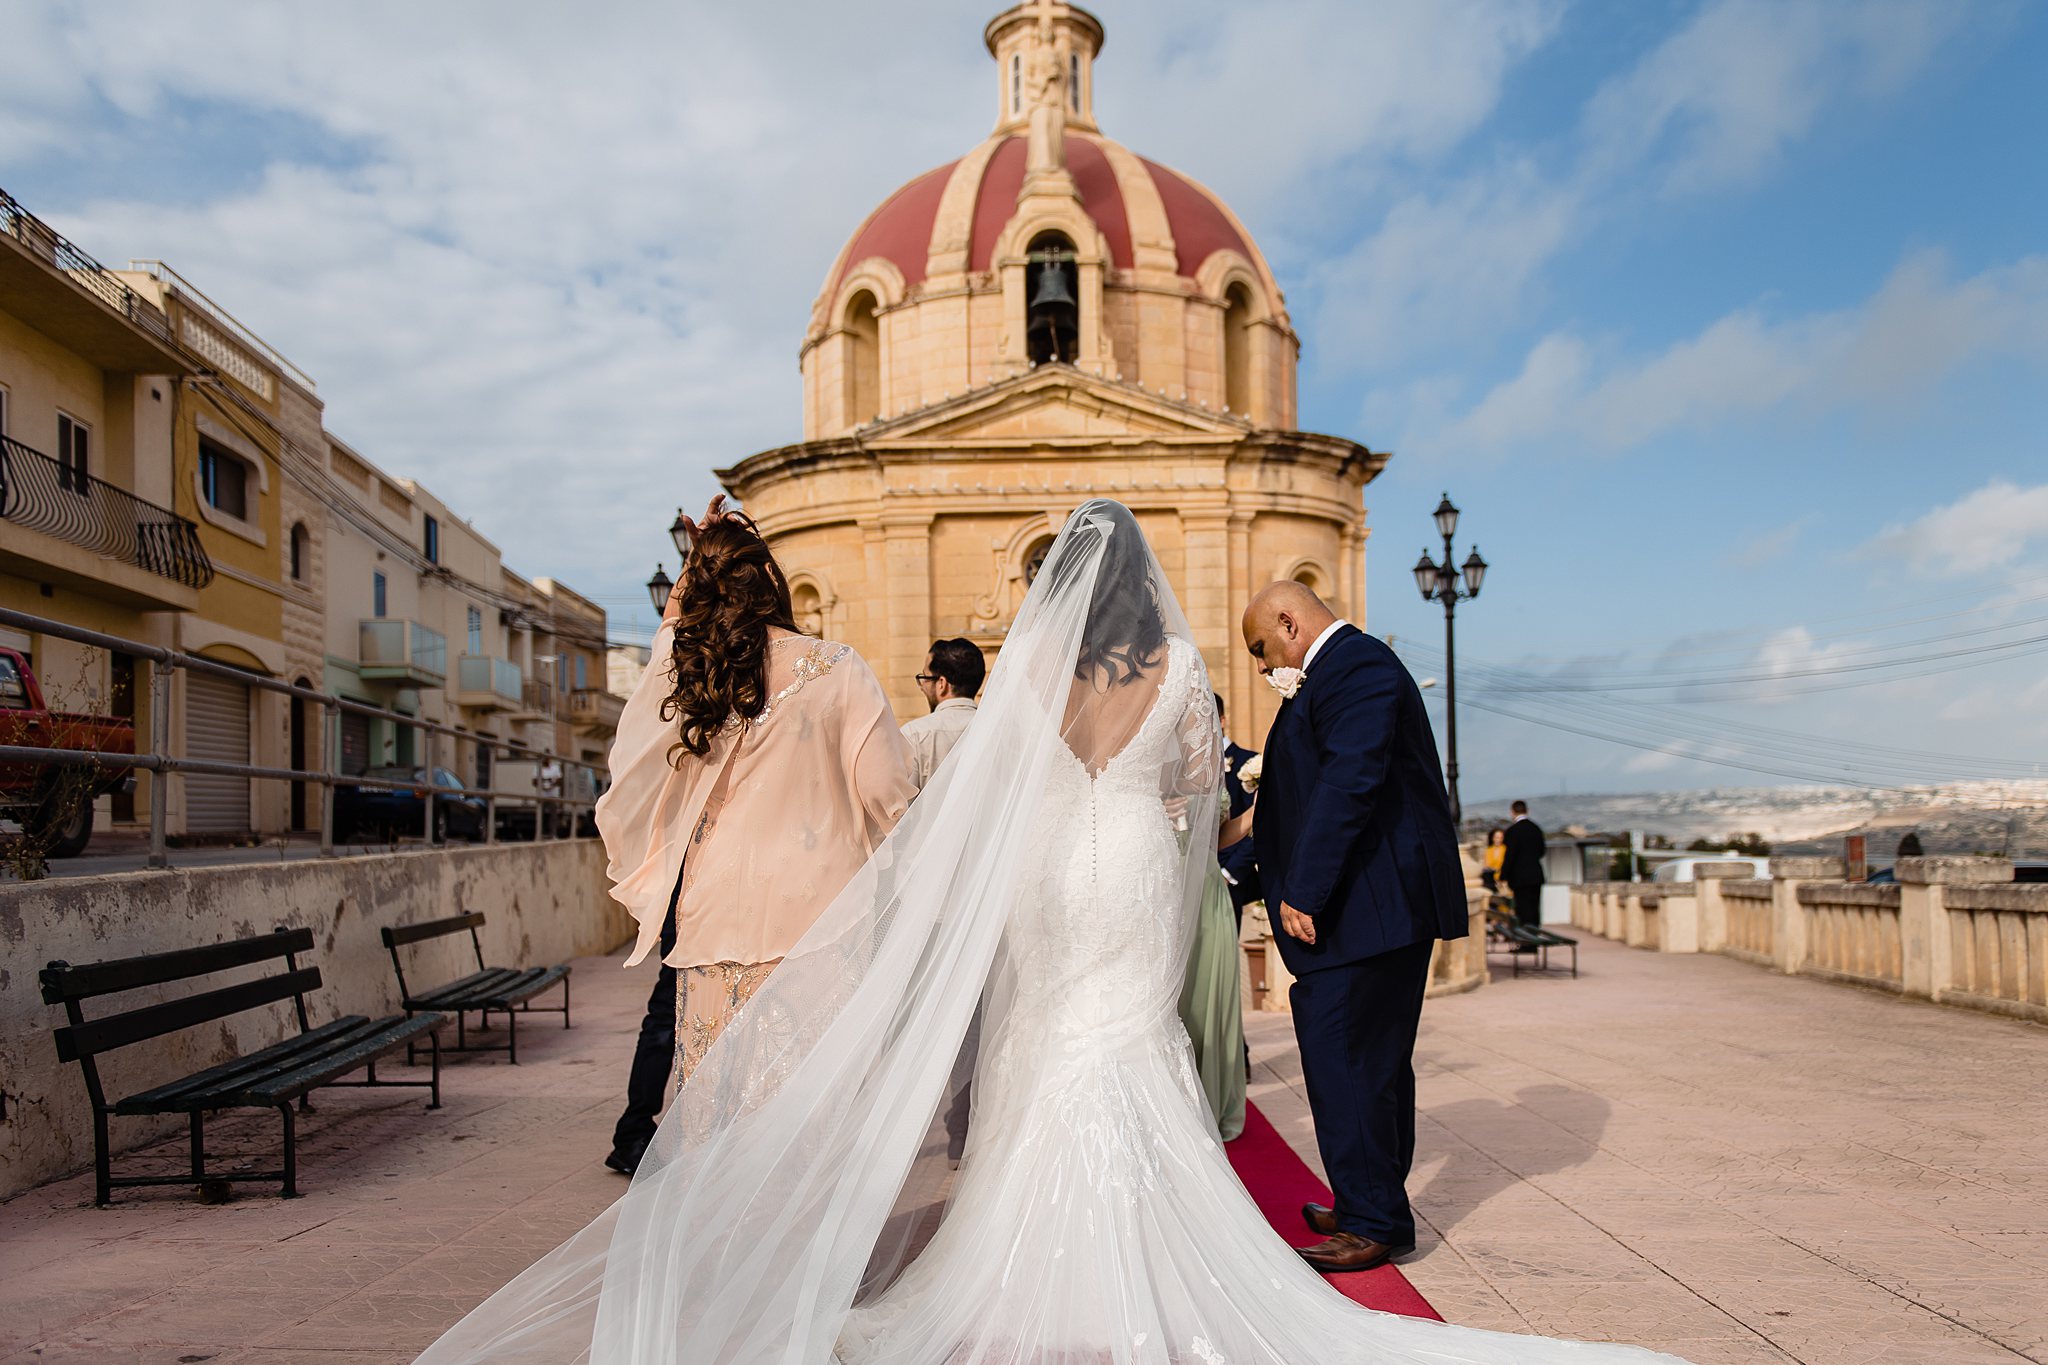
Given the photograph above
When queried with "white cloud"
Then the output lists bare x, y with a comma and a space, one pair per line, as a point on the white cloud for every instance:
1989, 529
1441, 267
1719, 100
1766, 547
1714, 103
1914, 332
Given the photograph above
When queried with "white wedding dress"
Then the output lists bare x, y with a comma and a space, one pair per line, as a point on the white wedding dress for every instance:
797, 1208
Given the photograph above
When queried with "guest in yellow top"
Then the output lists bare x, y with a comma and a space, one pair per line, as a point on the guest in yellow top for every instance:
1496, 853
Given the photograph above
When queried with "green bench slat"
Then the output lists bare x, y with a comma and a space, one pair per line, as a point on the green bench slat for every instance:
441, 997
385, 1035
495, 987
165, 1098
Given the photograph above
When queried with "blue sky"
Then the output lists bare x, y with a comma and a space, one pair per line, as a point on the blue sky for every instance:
1724, 322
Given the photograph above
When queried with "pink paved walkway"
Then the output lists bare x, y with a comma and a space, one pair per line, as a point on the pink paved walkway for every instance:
1686, 1152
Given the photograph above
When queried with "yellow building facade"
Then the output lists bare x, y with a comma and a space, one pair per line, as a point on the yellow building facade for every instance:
1047, 319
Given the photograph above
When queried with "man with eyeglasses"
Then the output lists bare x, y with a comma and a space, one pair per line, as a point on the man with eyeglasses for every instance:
953, 672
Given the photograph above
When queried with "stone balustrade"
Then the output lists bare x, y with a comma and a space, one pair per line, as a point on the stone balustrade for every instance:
1852, 933
1956, 930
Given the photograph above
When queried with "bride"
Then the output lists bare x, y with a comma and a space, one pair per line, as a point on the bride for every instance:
797, 1206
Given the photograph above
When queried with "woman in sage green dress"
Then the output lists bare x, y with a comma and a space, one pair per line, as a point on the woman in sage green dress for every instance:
1212, 1008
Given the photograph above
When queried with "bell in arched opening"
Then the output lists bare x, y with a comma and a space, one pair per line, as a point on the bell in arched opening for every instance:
1053, 314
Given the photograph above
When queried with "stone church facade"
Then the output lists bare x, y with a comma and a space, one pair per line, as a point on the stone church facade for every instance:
1047, 319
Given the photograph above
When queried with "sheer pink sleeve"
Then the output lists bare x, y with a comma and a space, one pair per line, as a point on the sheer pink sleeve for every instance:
879, 762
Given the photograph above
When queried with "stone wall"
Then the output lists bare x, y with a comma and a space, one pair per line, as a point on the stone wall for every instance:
1955, 930
545, 902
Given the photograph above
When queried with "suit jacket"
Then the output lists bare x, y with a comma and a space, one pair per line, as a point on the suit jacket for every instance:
1239, 860
1522, 864
1353, 826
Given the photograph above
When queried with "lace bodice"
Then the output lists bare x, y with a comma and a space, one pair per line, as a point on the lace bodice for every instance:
1100, 910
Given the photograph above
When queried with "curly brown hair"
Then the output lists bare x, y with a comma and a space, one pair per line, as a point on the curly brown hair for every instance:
732, 592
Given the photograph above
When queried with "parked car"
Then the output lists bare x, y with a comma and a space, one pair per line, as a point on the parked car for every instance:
1681, 869
38, 795
381, 813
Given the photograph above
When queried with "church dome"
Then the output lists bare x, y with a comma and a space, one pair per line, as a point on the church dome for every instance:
899, 231
939, 290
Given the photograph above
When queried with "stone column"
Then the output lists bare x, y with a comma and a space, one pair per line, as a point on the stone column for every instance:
907, 550
1713, 911
1788, 917
1206, 579
1925, 945
1239, 693
1678, 918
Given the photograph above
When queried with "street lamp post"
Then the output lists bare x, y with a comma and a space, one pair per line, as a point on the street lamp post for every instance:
659, 587
1439, 583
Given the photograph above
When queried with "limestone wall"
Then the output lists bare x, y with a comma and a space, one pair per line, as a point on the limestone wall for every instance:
545, 902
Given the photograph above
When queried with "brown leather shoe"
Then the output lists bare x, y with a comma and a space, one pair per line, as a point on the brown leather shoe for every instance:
1320, 1218
1345, 1252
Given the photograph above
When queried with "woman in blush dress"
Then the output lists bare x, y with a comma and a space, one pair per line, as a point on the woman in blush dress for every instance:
743, 723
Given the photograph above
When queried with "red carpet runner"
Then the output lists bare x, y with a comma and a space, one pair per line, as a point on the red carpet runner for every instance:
1281, 1183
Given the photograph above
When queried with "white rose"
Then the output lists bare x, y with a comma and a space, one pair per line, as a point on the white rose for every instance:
1248, 775
1285, 681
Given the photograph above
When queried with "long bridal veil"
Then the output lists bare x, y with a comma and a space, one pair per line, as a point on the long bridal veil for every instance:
804, 1165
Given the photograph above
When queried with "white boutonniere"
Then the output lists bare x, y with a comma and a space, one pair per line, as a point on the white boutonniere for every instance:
1248, 776
1285, 681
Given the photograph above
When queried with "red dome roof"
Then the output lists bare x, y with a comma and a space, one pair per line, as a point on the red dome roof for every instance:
900, 231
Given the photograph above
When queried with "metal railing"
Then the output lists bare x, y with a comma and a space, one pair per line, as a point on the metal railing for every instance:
82, 270
47, 495
161, 765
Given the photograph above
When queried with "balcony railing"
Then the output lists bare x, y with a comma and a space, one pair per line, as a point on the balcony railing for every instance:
82, 270
483, 680
403, 651
596, 708
538, 698
47, 496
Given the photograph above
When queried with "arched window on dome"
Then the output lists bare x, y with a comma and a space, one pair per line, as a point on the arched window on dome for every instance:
863, 359
1237, 348
1052, 325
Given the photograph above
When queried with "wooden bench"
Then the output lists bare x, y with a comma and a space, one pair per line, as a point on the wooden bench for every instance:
269, 1078
487, 990
1520, 941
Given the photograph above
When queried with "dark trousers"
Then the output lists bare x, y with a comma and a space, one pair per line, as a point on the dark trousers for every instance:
1356, 1026
1528, 902
654, 1055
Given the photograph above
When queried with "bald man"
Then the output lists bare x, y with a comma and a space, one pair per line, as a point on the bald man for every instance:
1359, 861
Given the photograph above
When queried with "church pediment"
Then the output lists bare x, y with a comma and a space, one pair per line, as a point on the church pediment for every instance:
1054, 404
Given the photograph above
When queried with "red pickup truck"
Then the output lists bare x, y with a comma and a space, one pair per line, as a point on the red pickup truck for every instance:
49, 805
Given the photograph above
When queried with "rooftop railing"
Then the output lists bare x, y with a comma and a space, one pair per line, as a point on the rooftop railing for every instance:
49, 496
161, 765
83, 271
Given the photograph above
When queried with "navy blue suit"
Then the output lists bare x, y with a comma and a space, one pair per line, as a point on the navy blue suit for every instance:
1239, 860
1353, 829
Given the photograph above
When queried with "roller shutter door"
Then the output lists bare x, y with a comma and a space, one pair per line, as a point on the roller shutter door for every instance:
216, 728
355, 743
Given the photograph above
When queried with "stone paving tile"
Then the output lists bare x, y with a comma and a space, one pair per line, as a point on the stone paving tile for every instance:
1686, 1153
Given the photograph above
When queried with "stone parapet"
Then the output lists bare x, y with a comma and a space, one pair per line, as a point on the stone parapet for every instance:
1953, 871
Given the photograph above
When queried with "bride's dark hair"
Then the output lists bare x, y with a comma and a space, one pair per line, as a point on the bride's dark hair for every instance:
732, 592
1126, 630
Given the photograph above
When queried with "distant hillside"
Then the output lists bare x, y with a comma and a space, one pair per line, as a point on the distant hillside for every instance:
1967, 817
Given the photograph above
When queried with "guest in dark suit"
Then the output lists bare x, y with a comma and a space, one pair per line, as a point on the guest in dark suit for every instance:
1359, 860
1522, 867
1239, 863
654, 1057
